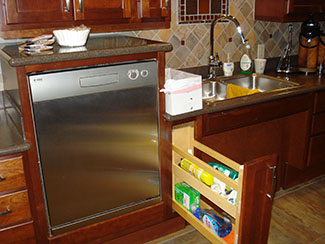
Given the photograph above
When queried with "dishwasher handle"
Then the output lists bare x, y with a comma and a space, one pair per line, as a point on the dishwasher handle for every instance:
98, 80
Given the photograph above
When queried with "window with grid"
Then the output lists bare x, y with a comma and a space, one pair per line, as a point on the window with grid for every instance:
200, 11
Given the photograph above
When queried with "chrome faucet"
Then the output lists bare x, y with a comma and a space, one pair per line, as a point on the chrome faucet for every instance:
214, 61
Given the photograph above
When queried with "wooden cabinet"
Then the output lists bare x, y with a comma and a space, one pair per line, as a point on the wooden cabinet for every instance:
255, 189
23, 18
107, 11
16, 225
288, 10
313, 163
316, 156
24, 11
154, 10
278, 127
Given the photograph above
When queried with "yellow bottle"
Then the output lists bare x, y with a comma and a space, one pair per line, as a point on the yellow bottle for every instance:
199, 173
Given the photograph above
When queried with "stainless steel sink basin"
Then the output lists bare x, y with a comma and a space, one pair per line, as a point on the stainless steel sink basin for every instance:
217, 89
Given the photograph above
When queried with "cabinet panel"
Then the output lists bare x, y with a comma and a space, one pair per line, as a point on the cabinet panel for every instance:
218, 122
11, 174
26, 11
288, 10
318, 123
320, 102
258, 193
108, 11
18, 234
155, 8
303, 6
14, 207
316, 151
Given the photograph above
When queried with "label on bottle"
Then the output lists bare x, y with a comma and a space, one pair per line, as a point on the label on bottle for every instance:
228, 69
245, 63
209, 222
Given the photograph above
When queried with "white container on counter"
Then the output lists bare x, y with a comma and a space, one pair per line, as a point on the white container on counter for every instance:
183, 92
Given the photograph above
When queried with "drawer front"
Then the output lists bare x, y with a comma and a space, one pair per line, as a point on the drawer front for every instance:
318, 123
12, 174
18, 234
222, 121
316, 150
14, 207
320, 102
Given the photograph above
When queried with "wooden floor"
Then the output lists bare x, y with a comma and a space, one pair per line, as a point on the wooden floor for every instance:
298, 217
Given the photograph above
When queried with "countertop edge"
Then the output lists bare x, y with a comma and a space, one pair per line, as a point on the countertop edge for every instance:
243, 101
31, 60
15, 149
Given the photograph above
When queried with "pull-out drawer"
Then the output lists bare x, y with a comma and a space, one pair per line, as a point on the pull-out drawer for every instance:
12, 174
18, 234
14, 207
255, 189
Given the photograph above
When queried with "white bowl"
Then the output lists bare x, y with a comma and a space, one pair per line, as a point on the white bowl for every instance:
74, 37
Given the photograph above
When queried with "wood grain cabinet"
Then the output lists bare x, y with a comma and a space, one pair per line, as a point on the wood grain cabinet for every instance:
316, 156
23, 18
312, 136
288, 10
24, 11
16, 225
276, 127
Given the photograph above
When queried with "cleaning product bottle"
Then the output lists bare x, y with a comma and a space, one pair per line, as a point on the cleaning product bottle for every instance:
199, 173
246, 64
225, 170
228, 67
219, 224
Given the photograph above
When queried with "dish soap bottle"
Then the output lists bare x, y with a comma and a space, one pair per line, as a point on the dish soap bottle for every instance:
228, 67
246, 64
219, 224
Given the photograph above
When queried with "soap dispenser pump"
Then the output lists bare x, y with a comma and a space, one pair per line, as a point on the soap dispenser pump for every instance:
228, 66
246, 64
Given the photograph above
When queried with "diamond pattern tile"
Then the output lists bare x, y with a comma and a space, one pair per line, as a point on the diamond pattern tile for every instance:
196, 50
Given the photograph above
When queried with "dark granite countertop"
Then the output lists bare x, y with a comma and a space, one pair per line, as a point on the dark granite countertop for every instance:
308, 83
96, 47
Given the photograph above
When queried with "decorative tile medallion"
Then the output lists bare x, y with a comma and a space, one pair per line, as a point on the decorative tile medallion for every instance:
200, 11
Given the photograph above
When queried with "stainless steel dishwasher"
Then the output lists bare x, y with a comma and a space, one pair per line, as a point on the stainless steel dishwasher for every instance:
97, 138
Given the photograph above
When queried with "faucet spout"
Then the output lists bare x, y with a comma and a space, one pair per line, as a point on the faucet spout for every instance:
214, 62
223, 17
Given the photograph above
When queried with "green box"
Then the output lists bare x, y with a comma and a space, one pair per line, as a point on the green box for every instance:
187, 196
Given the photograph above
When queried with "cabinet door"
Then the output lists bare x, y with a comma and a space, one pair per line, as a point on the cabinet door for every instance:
303, 6
37, 11
155, 9
107, 11
258, 192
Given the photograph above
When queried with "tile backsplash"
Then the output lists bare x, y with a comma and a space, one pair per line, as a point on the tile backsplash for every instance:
191, 42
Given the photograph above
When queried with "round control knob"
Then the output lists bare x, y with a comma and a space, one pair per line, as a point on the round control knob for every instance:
133, 74
144, 73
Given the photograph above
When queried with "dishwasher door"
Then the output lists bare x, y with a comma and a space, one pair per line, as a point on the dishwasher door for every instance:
97, 136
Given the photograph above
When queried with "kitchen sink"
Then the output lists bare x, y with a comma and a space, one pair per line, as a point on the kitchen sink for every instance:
216, 89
